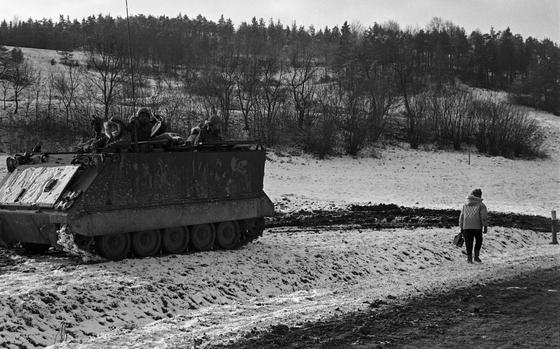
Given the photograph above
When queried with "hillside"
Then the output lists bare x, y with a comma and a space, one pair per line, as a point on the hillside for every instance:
424, 178
282, 100
42, 59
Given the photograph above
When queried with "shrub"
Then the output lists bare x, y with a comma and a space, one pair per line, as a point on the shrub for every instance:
419, 126
450, 116
507, 130
321, 138
455, 116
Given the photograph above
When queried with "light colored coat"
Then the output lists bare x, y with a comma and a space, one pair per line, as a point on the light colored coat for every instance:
474, 214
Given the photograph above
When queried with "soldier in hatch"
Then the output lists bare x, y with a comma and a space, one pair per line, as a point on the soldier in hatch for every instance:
208, 131
116, 133
111, 133
145, 125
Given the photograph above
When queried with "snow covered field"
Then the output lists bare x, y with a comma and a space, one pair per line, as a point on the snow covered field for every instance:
290, 275
430, 179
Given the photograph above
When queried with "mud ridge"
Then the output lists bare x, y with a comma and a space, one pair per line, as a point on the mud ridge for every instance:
385, 216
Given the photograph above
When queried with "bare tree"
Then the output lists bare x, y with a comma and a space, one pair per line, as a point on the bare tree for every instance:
271, 96
66, 83
169, 98
50, 92
353, 120
450, 110
247, 81
302, 86
38, 89
217, 84
323, 140
381, 97
21, 77
28, 100
410, 81
86, 103
5, 64
5, 83
108, 65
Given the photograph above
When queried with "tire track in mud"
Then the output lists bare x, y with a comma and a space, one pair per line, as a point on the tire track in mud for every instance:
505, 312
388, 216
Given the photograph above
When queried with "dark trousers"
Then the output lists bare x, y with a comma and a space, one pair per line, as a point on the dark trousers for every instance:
470, 235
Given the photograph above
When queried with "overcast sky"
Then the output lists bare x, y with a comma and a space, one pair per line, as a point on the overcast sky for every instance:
537, 18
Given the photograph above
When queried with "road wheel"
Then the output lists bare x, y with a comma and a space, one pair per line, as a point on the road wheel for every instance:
255, 227
146, 243
34, 248
113, 246
227, 235
202, 237
175, 240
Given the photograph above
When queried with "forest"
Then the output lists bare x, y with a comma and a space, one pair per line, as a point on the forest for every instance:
327, 91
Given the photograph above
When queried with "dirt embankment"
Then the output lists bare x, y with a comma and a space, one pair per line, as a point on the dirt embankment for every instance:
392, 216
521, 312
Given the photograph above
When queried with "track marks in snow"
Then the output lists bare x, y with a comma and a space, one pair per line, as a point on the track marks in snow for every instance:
213, 297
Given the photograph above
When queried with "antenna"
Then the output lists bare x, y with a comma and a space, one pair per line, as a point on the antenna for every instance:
131, 76
130, 58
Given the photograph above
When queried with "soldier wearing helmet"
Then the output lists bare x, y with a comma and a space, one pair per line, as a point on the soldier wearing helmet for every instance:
116, 133
145, 125
212, 128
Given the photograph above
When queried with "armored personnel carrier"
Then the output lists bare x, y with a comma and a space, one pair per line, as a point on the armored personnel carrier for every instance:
136, 203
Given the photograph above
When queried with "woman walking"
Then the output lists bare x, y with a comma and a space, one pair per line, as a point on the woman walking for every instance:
473, 222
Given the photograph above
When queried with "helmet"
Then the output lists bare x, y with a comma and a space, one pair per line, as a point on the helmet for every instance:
112, 129
141, 111
144, 111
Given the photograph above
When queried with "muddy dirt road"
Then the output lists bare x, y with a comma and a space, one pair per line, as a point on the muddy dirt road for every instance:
521, 312
290, 276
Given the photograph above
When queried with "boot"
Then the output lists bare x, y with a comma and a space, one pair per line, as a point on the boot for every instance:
476, 258
469, 258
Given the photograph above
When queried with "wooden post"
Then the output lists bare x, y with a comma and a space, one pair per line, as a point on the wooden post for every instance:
553, 227
469, 155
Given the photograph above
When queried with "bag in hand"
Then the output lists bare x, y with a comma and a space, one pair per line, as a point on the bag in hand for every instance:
458, 240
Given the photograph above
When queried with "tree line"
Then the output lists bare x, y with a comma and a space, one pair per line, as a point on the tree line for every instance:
496, 60
318, 88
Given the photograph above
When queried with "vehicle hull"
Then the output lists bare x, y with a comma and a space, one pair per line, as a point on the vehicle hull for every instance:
112, 193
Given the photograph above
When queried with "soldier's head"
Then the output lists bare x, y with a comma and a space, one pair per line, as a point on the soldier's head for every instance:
144, 115
195, 130
112, 129
213, 124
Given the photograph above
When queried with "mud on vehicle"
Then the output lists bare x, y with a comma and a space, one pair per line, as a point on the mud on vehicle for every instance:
124, 204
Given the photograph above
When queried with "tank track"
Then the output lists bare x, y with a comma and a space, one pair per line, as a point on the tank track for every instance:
87, 249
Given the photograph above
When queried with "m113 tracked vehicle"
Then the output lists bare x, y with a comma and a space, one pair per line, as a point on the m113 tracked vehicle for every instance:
136, 203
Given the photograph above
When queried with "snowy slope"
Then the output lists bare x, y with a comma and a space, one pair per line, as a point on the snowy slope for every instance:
431, 179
